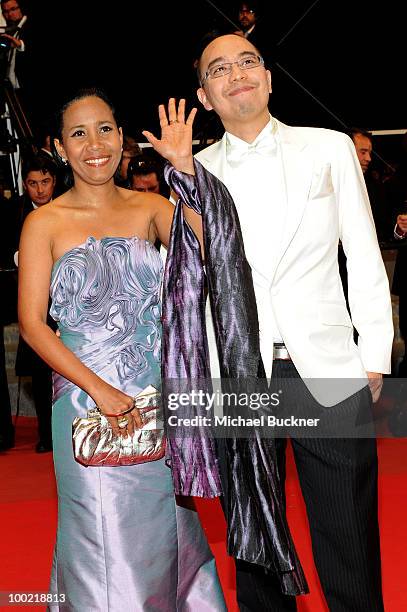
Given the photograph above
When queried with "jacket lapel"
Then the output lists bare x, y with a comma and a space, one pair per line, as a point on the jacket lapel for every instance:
214, 158
297, 172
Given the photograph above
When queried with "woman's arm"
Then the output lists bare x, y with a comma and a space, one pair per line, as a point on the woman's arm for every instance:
35, 266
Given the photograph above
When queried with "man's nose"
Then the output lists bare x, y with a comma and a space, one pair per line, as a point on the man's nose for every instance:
237, 72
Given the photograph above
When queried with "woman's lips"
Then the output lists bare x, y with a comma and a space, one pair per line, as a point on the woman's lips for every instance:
97, 162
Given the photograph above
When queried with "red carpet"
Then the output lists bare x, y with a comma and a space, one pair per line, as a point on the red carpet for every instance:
28, 523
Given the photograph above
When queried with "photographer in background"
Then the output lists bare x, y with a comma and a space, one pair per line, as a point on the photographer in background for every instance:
8, 314
12, 43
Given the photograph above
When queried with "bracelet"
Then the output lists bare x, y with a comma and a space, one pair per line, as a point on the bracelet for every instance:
121, 413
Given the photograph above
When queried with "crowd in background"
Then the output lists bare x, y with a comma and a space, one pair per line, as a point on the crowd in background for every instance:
275, 227
142, 169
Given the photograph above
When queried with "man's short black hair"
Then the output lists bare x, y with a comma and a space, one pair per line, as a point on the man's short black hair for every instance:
19, 2
38, 163
251, 5
352, 132
140, 165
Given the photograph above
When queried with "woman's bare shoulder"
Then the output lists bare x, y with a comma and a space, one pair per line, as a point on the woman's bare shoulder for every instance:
46, 216
140, 202
142, 199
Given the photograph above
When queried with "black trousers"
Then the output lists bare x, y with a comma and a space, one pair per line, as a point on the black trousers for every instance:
338, 479
28, 363
402, 372
42, 396
6, 423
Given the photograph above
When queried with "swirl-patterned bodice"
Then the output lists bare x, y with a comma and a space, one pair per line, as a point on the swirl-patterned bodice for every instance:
106, 299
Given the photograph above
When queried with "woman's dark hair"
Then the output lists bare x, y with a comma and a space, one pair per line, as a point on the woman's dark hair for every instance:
80, 94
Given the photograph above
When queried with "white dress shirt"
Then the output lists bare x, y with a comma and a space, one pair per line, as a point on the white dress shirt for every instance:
255, 179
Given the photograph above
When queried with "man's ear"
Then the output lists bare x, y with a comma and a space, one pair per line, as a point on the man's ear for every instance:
269, 80
59, 148
203, 99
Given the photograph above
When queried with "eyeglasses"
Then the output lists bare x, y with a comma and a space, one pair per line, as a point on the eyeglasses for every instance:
220, 70
250, 11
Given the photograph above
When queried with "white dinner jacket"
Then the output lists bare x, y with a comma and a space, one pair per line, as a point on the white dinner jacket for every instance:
326, 201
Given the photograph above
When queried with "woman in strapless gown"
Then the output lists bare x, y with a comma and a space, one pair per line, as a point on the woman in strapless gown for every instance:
123, 543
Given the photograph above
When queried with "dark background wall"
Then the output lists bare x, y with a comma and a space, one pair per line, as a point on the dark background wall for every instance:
335, 63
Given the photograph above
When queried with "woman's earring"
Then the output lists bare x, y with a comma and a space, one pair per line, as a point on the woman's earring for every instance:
64, 161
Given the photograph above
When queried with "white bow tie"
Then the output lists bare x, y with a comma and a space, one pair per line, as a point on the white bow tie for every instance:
238, 152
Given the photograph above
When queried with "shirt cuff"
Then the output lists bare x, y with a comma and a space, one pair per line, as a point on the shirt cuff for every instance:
398, 233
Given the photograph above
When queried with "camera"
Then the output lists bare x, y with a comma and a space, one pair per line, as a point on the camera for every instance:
5, 43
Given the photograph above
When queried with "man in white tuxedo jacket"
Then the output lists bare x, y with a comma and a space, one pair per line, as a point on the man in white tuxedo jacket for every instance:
298, 191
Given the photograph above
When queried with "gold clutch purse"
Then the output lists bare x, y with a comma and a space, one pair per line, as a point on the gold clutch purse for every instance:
95, 443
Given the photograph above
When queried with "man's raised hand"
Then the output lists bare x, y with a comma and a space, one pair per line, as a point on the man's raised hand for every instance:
176, 135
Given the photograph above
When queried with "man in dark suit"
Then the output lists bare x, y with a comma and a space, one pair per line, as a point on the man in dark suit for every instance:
39, 179
18, 87
396, 189
247, 18
298, 191
382, 214
8, 314
381, 210
13, 43
253, 29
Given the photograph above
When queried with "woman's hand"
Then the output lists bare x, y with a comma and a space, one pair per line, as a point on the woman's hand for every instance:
113, 403
176, 136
